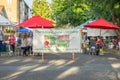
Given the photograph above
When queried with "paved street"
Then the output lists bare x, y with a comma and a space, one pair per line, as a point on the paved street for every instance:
60, 67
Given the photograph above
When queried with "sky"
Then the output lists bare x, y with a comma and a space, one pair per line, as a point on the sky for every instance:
49, 0
29, 2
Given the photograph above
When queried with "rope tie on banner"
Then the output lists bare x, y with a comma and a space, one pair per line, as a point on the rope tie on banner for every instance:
43, 58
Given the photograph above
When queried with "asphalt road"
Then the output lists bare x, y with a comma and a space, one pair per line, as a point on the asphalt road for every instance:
60, 67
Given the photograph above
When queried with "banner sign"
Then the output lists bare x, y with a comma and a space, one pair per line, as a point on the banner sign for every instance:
58, 41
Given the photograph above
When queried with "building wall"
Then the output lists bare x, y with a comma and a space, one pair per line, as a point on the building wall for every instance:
15, 12
11, 9
23, 11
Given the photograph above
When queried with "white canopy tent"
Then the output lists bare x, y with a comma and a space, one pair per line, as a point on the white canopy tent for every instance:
82, 25
96, 32
5, 22
104, 32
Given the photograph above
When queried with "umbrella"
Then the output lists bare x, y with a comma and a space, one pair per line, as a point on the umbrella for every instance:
5, 22
24, 30
101, 24
37, 22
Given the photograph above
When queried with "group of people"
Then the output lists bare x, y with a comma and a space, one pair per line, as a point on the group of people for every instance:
95, 44
21, 44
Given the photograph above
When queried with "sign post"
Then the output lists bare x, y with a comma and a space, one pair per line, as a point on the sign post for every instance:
43, 58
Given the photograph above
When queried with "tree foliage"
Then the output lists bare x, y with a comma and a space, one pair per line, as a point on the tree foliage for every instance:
108, 9
76, 12
69, 12
41, 8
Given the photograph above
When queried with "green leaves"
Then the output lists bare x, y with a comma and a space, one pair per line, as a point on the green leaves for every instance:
41, 7
76, 12
69, 12
108, 9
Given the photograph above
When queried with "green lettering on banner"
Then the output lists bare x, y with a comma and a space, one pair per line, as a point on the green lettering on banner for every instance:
59, 40
62, 40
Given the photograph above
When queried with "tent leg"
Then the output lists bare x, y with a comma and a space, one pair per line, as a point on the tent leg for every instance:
73, 56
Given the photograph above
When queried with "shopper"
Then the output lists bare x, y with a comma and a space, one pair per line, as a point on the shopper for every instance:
12, 41
1, 39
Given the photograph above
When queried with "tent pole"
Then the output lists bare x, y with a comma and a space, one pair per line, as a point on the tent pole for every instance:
100, 32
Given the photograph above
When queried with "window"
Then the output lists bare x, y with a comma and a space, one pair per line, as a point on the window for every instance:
9, 1
9, 10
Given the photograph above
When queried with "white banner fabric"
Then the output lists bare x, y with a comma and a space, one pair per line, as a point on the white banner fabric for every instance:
56, 41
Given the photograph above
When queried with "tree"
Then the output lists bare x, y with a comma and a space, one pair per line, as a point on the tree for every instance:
71, 12
41, 8
75, 12
108, 9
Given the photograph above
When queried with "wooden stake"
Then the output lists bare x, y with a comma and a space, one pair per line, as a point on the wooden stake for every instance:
43, 58
73, 56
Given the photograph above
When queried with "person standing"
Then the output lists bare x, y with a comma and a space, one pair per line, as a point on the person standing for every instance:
99, 44
24, 45
12, 41
93, 46
1, 39
30, 43
19, 42
118, 42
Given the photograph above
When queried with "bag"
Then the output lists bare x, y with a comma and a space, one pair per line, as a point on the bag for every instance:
101, 51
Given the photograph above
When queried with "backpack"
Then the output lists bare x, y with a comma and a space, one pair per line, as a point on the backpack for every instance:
19, 41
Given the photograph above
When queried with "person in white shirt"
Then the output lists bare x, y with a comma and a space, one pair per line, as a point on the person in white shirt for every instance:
30, 44
24, 45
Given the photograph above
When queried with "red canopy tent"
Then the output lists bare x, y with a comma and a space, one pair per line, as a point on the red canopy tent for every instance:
37, 22
101, 24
